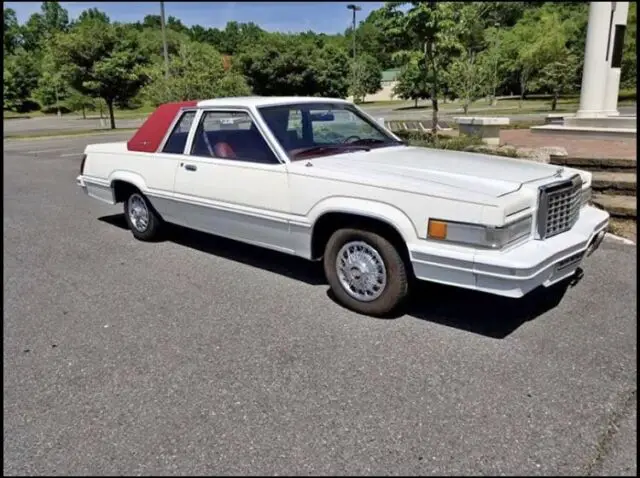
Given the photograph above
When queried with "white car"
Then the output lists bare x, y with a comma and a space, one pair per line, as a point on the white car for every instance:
320, 179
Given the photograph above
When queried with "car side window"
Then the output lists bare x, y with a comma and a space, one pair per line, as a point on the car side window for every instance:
178, 137
231, 135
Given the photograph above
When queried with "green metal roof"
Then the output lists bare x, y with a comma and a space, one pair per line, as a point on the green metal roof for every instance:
390, 75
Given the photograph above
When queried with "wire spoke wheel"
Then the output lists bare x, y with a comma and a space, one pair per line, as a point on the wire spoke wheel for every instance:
138, 212
361, 271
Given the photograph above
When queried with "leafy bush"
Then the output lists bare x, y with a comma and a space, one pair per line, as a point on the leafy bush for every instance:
470, 144
457, 143
627, 95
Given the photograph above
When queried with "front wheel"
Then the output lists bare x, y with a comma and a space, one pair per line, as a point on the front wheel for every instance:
365, 271
141, 218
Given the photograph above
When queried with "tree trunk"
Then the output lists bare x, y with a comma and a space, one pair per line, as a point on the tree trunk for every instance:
416, 102
434, 116
523, 86
430, 57
554, 101
84, 113
465, 107
112, 118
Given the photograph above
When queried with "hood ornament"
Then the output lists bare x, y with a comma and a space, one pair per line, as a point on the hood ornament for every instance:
558, 173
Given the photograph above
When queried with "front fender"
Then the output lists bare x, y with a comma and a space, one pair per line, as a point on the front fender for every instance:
373, 209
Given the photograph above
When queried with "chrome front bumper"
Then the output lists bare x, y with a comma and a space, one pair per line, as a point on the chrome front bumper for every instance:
516, 271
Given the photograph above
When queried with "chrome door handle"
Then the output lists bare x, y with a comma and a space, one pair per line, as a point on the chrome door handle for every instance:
190, 167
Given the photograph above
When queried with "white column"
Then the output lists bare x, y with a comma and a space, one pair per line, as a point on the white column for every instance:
594, 75
613, 74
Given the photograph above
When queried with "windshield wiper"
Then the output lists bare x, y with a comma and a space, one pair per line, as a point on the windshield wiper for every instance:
320, 148
373, 141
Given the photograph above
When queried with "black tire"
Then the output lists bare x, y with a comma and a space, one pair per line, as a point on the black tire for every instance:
152, 229
397, 284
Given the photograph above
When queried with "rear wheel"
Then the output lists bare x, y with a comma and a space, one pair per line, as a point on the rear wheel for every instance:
365, 271
141, 218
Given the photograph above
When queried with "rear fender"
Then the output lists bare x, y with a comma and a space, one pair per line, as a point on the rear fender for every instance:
129, 177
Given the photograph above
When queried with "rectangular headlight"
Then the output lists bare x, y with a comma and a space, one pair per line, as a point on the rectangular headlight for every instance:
478, 235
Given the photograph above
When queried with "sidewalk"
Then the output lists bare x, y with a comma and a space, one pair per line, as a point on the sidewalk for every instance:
584, 148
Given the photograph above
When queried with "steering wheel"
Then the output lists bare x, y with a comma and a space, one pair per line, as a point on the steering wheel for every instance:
346, 140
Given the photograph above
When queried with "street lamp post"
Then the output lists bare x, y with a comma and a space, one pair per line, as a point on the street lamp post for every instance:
495, 71
354, 9
164, 42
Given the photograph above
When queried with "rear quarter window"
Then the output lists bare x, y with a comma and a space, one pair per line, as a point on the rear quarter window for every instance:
178, 138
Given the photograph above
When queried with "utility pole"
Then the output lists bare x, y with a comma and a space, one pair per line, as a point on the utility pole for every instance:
495, 72
354, 8
164, 41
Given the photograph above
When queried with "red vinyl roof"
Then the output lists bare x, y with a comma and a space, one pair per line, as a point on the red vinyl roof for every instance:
149, 136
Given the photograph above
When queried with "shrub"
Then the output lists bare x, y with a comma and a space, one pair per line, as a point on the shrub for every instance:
426, 139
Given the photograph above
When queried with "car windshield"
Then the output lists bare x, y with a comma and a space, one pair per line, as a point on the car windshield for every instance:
318, 129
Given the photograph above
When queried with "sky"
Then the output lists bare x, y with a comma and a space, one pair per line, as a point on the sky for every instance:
321, 17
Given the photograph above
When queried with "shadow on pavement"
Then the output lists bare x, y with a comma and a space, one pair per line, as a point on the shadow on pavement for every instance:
484, 314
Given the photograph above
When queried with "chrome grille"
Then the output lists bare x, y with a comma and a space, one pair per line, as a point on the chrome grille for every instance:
559, 207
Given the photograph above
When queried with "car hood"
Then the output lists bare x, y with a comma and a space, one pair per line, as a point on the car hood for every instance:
409, 168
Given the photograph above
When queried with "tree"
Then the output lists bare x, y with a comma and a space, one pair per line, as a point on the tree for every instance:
492, 58
93, 14
151, 43
467, 79
281, 65
196, 72
366, 76
55, 19
11, 32
558, 77
20, 79
76, 101
628, 74
42, 27
52, 89
176, 25
412, 82
152, 21
101, 61
433, 30
538, 39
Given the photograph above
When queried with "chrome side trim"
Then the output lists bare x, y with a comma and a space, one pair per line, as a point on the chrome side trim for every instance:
277, 233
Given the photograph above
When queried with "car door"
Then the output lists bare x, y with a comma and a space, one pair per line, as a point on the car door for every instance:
159, 172
231, 182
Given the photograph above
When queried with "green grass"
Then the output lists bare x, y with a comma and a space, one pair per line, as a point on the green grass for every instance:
72, 133
13, 115
367, 104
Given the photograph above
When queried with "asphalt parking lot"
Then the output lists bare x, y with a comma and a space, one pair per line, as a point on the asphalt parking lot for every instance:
197, 355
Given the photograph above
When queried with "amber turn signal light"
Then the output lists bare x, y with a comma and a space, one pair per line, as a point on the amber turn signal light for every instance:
437, 229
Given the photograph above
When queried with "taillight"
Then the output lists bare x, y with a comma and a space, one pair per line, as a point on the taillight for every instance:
84, 158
